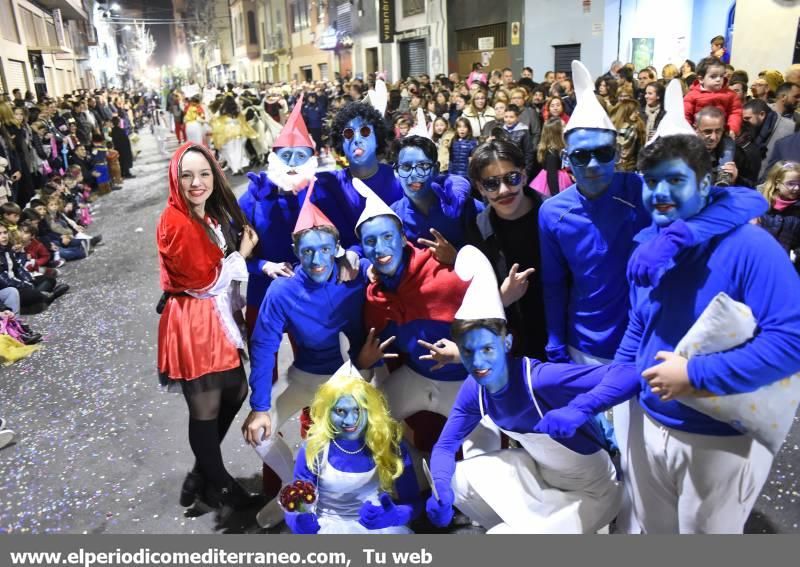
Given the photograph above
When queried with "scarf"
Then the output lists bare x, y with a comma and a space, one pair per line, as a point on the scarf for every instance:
782, 205
652, 114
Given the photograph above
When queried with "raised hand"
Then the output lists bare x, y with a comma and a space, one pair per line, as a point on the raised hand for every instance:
374, 350
515, 285
443, 352
443, 251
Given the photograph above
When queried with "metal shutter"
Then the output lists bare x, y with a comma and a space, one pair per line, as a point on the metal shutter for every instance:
15, 76
413, 58
565, 55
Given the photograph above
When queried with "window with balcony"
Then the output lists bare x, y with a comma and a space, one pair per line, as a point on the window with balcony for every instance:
252, 34
298, 15
413, 7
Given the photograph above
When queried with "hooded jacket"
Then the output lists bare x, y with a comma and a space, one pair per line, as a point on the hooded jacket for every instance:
725, 99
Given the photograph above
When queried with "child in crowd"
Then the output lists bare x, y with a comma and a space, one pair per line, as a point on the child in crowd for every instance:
10, 215
5, 182
461, 148
80, 193
114, 167
520, 135
552, 179
498, 121
59, 233
39, 257
99, 163
401, 127
443, 136
782, 220
711, 89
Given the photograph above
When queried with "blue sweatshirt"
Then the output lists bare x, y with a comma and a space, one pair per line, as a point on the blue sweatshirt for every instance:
451, 211
273, 215
342, 204
591, 388
752, 268
314, 314
585, 245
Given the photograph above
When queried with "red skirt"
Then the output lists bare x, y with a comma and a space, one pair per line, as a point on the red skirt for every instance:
192, 341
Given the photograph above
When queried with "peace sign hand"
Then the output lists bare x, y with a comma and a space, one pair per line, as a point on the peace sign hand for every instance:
442, 352
374, 350
443, 251
515, 285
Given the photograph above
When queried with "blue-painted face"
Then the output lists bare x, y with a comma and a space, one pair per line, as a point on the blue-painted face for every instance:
483, 354
316, 251
415, 170
348, 418
383, 243
361, 150
294, 156
672, 191
591, 154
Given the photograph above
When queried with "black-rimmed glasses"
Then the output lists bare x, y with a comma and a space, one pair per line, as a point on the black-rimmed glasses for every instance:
421, 168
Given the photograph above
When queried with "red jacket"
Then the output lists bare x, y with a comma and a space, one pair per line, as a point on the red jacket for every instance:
38, 252
724, 99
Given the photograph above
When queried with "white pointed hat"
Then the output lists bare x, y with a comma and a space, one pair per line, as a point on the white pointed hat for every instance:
378, 97
420, 128
482, 299
674, 121
374, 207
588, 112
348, 368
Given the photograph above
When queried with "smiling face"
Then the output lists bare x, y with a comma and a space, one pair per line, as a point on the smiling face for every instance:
508, 199
651, 96
417, 184
483, 354
349, 420
197, 180
361, 151
594, 177
711, 130
316, 250
671, 191
789, 188
555, 108
383, 243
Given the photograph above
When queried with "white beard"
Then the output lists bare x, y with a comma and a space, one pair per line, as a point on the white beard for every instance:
278, 173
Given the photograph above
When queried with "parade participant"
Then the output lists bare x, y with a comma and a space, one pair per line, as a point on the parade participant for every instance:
313, 307
546, 486
358, 131
355, 457
410, 303
195, 121
434, 209
688, 472
271, 205
202, 261
229, 133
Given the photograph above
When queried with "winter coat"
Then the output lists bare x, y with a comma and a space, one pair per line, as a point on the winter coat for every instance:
12, 269
38, 252
460, 151
785, 227
477, 120
521, 136
725, 99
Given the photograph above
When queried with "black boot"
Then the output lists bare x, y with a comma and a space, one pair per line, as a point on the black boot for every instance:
59, 290
193, 486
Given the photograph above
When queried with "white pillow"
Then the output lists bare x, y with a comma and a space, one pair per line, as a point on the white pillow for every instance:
765, 414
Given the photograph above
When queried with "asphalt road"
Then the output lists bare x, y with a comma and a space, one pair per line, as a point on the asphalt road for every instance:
101, 448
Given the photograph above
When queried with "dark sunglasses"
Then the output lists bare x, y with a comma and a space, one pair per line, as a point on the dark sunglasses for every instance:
603, 154
511, 179
364, 131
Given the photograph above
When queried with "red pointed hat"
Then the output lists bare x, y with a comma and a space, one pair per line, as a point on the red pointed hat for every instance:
295, 133
310, 216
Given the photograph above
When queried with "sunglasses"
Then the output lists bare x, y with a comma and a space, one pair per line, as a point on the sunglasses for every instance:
349, 133
511, 179
603, 154
421, 168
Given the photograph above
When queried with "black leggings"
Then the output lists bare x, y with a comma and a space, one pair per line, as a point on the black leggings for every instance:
32, 295
211, 413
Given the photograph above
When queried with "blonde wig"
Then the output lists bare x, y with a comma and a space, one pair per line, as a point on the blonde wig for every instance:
383, 434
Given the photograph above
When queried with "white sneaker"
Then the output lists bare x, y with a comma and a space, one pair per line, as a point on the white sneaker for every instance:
6, 437
270, 515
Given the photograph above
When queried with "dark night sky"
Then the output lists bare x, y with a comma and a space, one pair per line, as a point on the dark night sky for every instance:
160, 9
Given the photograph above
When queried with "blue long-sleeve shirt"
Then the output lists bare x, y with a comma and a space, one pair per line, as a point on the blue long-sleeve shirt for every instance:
335, 196
313, 313
749, 266
591, 388
452, 209
585, 245
273, 214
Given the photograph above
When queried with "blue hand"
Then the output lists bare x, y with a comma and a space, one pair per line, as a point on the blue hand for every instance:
259, 184
440, 512
561, 422
651, 260
305, 523
386, 515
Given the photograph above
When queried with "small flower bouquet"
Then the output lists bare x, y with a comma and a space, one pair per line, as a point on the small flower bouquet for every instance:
299, 497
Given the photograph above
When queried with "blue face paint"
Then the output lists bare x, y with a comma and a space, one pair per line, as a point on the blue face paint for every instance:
410, 165
294, 156
383, 243
671, 191
316, 251
361, 151
348, 418
483, 354
594, 177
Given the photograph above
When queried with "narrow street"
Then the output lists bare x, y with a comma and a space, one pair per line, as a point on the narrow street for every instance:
101, 448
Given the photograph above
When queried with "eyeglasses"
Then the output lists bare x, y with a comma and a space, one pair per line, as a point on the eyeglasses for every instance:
364, 132
511, 179
603, 154
421, 168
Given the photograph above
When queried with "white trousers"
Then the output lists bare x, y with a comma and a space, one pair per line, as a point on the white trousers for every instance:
690, 483
408, 392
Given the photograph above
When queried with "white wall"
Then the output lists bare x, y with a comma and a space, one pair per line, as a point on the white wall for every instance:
556, 22
710, 19
666, 22
765, 32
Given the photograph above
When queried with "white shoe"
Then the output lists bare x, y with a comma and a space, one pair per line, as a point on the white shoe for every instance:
6, 437
270, 515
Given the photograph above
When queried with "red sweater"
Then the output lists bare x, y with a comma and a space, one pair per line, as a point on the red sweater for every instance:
38, 252
724, 99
